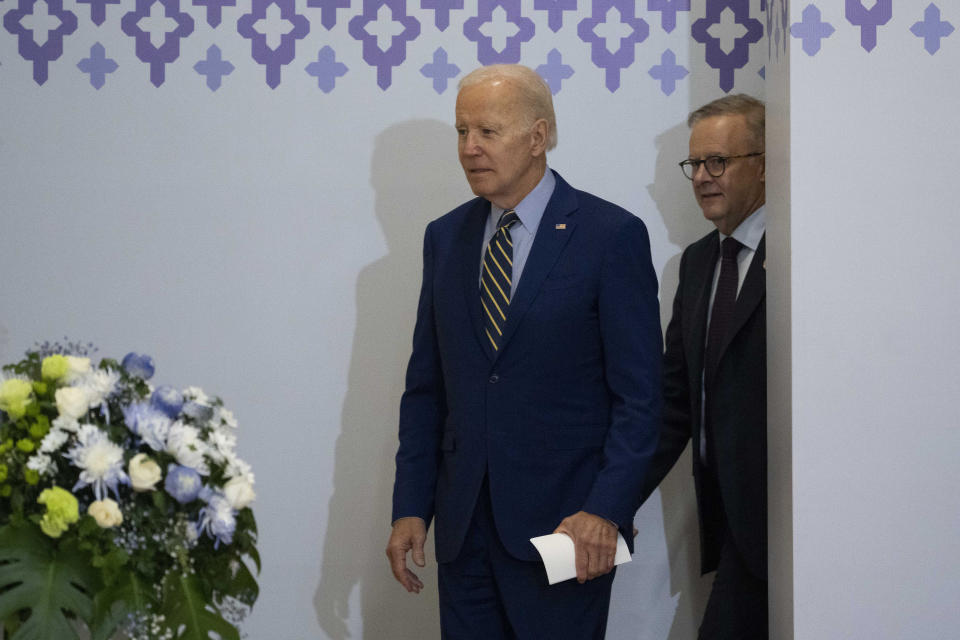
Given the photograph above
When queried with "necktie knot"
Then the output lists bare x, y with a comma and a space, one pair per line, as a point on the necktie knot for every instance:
508, 219
730, 247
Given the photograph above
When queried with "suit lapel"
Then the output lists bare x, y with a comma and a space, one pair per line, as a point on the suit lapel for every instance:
470, 242
554, 232
704, 272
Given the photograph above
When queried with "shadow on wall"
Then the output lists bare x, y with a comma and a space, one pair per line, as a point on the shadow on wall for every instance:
682, 218
416, 177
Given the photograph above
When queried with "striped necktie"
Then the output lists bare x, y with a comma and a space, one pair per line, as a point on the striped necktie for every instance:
496, 279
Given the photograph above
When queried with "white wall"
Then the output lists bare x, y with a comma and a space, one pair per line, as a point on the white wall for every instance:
779, 352
265, 244
873, 312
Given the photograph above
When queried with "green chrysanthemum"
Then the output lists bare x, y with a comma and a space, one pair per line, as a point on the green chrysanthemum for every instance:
62, 511
15, 396
54, 367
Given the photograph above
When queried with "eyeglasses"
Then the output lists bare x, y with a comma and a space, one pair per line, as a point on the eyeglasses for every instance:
715, 165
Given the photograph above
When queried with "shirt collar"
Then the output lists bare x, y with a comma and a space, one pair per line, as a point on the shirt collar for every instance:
530, 209
750, 232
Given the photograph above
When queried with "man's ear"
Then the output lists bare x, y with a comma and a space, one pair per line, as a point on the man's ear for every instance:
538, 137
763, 168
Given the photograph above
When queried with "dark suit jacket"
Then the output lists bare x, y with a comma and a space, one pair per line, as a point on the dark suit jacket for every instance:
738, 404
565, 416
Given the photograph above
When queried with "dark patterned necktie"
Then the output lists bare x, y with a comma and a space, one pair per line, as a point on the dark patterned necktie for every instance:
496, 279
724, 301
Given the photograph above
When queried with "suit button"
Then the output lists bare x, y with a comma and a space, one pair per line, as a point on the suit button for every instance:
494, 379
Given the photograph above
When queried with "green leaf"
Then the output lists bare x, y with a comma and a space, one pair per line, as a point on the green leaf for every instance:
246, 536
244, 586
48, 583
159, 500
111, 605
184, 606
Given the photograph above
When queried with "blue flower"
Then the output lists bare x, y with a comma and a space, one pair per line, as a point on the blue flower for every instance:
167, 400
218, 519
138, 366
146, 421
183, 483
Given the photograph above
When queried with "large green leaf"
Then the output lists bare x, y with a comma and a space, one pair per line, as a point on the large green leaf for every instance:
111, 605
184, 606
47, 583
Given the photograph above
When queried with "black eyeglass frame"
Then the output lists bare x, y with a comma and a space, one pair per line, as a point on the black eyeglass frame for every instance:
695, 164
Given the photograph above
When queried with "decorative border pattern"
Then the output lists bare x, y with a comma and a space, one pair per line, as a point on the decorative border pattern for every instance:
813, 30
613, 31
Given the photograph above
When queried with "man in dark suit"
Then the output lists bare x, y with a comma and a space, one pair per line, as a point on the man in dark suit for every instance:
714, 371
532, 399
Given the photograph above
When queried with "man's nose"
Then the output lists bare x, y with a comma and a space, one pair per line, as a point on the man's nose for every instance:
471, 146
700, 174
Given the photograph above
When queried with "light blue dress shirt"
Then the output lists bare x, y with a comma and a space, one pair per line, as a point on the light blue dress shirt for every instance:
530, 211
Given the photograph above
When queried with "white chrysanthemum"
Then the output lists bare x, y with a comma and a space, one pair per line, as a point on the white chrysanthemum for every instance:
42, 464
184, 444
100, 461
54, 439
66, 423
237, 468
224, 417
196, 394
222, 444
99, 385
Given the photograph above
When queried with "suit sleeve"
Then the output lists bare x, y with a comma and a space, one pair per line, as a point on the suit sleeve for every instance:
629, 318
676, 427
422, 408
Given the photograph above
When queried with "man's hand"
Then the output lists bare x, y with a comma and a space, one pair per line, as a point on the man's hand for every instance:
408, 534
594, 543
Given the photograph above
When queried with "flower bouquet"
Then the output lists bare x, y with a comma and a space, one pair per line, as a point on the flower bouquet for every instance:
124, 509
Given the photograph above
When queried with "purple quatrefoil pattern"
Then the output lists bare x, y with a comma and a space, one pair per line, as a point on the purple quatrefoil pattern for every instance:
718, 34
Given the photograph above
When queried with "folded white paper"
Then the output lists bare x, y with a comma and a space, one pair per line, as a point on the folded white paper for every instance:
556, 550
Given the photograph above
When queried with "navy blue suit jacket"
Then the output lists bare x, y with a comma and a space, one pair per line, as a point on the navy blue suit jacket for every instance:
566, 415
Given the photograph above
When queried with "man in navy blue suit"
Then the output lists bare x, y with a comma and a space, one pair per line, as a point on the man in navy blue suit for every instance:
532, 398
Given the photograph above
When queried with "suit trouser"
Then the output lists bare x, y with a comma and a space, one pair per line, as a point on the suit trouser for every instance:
737, 608
487, 594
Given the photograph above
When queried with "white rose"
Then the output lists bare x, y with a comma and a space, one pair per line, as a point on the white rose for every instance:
72, 402
77, 368
144, 473
239, 492
106, 512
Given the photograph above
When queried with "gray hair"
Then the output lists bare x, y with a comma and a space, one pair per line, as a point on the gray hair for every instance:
738, 104
532, 91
